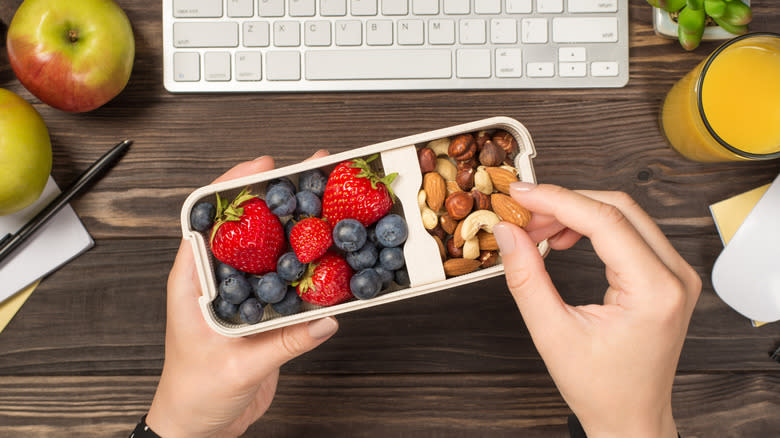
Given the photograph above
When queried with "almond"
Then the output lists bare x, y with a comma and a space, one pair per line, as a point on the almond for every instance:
487, 241
501, 178
442, 250
508, 210
435, 190
457, 236
460, 266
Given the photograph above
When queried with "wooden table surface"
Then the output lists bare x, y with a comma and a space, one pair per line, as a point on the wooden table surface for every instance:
83, 355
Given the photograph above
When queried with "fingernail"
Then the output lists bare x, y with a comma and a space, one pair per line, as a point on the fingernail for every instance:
260, 158
505, 238
322, 328
521, 186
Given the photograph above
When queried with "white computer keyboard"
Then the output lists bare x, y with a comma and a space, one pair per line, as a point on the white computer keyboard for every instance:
344, 45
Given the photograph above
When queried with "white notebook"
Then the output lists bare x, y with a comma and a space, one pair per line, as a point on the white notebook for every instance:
59, 240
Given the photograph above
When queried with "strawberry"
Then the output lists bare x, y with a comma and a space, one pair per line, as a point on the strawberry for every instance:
354, 191
326, 281
246, 235
310, 239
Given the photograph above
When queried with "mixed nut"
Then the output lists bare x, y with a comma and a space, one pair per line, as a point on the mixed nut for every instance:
465, 192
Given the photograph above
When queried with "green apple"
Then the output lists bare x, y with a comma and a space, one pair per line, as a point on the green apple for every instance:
74, 55
25, 153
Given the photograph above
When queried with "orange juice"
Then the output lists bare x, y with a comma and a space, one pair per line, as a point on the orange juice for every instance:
728, 107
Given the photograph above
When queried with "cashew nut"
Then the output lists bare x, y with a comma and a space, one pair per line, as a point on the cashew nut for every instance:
482, 181
429, 218
446, 169
471, 249
421, 197
440, 146
478, 220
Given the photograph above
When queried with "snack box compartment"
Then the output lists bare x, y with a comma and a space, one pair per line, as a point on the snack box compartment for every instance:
421, 251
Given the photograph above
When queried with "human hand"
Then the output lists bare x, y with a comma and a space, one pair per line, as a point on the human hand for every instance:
212, 385
614, 364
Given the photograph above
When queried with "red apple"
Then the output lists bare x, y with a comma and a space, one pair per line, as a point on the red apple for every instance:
25, 153
73, 55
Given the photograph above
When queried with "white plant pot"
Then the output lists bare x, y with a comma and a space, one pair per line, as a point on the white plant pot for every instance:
666, 27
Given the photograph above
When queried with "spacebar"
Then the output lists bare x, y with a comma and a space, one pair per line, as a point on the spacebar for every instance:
378, 64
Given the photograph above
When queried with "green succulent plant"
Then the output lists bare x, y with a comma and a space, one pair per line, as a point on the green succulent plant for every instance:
731, 15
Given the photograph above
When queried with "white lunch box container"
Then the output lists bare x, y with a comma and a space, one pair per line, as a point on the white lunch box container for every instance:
421, 252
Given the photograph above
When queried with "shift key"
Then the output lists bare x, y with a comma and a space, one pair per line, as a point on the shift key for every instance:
585, 30
205, 34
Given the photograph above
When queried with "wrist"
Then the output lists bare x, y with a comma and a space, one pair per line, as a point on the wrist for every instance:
656, 426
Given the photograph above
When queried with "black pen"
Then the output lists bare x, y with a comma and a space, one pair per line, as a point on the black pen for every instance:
11, 241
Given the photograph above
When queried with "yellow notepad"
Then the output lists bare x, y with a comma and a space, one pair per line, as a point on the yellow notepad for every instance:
9, 307
730, 213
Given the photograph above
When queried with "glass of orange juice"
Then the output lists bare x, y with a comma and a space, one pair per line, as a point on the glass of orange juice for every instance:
728, 107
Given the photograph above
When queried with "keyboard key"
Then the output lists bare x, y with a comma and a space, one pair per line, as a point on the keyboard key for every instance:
578, 6
540, 69
316, 33
333, 8
604, 68
571, 54
186, 66
394, 7
549, 6
487, 6
287, 34
256, 33
584, 29
472, 31
473, 63
378, 64
363, 8
301, 8
503, 31
509, 63
456, 7
572, 69
240, 8
534, 30
410, 32
349, 33
518, 6
205, 34
283, 65
216, 66
249, 66
270, 8
379, 32
425, 7
441, 32
197, 8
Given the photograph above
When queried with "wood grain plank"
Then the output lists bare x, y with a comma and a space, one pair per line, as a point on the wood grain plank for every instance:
459, 405
104, 314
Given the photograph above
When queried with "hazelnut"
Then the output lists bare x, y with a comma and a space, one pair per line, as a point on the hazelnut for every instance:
481, 200
488, 258
491, 154
452, 250
466, 164
459, 205
482, 137
462, 147
448, 224
465, 179
507, 142
437, 231
427, 159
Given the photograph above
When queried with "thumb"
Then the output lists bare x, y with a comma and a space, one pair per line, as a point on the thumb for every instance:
268, 351
528, 281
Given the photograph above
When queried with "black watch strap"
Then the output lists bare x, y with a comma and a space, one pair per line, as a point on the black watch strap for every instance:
143, 431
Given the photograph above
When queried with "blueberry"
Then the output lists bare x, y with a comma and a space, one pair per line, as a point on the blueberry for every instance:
251, 311
402, 277
391, 258
349, 235
365, 284
235, 289
290, 304
363, 258
289, 268
281, 200
385, 275
225, 309
288, 227
313, 180
309, 205
391, 230
254, 282
270, 288
283, 181
223, 271
371, 231
202, 216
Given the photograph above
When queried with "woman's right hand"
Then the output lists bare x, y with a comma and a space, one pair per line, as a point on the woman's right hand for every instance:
614, 363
